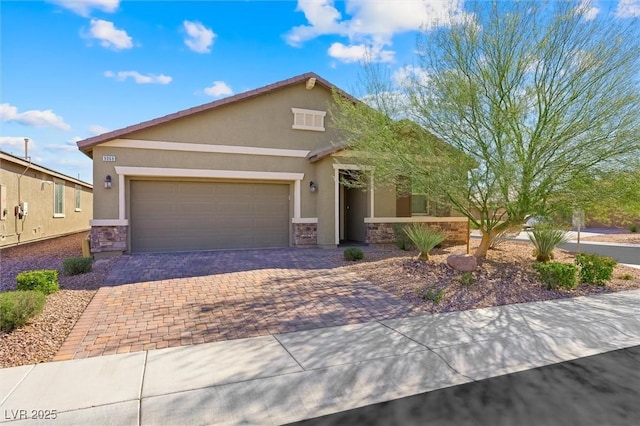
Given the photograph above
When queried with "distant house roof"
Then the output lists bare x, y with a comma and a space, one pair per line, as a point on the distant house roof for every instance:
86, 145
5, 156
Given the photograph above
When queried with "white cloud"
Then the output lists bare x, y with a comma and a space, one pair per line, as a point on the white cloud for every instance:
628, 9
371, 23
218, 90
139, 78
360, 52
84, 7
11, 143
66, 147
199, 38
33, 118
74, 139
405, 76
109, 35
588, 10
96, 129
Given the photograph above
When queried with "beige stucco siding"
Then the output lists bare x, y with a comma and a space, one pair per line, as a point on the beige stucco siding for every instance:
262, 121
40, 223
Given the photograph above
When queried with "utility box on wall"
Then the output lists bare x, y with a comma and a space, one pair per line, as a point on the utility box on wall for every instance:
3, 202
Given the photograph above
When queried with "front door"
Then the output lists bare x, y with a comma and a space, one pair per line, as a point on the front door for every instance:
354, 211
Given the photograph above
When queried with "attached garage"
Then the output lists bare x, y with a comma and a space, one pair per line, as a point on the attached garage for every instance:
201, 215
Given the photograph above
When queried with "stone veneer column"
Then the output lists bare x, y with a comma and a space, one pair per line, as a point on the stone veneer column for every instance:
109, 239
305, 234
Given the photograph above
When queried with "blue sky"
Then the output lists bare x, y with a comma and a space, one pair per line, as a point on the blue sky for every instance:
71, 69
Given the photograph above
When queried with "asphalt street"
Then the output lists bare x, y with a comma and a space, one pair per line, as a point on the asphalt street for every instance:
597, 390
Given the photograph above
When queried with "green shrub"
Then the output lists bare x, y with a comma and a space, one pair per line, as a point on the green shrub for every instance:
545, 238
402, 241
17, 307
353, 254
557, 275
595, 269
77, 265
45, 281
432, 294
424, 238
626, 277
633, 228
466, 279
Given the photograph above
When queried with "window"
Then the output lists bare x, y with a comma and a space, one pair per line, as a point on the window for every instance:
78, 198
421, 205
58, 199
307, 119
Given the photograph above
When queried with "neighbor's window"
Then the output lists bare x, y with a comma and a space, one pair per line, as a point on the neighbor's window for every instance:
58, 199
78, 198
308, 119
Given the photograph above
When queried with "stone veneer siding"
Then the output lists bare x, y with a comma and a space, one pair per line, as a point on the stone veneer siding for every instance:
385, 233
108, 238
305, 234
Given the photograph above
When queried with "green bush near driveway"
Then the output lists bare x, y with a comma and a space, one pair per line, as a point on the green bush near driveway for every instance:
45, 281
77, 265
353, 254
595, 269
557, 275
18, 307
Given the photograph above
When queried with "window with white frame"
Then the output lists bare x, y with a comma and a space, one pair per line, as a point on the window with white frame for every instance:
58, 199
78, 198
308, 119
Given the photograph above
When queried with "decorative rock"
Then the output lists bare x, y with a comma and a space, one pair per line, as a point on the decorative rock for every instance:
462, 262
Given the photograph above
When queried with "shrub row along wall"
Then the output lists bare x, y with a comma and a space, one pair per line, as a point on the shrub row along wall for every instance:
387, 231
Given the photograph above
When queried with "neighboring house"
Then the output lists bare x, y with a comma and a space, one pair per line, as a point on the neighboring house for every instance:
38, 203
257, 169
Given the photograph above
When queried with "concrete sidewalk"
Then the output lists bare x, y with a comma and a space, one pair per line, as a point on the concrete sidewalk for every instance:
288, 377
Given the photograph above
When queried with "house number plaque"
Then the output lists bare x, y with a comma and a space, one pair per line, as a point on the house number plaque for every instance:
108, 158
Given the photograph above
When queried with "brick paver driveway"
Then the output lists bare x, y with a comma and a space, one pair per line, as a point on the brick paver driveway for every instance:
154, 301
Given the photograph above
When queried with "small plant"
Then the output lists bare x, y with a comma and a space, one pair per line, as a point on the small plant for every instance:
545, 238
432, 294
466, 279
18, 307
557, 275
595, 269
633, 228
503, 236
45, 281
353, 254
402, 241
626, 277
424, 238
77, 265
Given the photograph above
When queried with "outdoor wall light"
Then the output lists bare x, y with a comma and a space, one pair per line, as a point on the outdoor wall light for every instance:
107, 182
312, 186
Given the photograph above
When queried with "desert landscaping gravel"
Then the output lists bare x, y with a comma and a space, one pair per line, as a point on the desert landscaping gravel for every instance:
40, 339
505, 277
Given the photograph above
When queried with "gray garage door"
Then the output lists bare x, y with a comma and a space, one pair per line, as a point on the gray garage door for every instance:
175, 216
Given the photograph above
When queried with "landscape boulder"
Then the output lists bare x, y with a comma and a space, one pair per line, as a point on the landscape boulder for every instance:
462, 262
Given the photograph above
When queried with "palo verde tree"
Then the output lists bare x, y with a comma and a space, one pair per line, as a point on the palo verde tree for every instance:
531, 98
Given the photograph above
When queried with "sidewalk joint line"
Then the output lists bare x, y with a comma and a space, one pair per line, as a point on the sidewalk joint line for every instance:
429, 349
18, 384
144, 373
290, 354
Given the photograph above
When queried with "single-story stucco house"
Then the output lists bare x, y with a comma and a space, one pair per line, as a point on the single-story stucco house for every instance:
37, 203
257, 169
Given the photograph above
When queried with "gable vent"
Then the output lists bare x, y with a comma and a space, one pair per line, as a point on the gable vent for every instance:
307, 119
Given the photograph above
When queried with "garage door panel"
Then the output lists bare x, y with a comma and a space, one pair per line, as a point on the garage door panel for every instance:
172, 216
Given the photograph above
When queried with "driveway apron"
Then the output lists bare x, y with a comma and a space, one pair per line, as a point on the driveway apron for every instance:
153, 301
